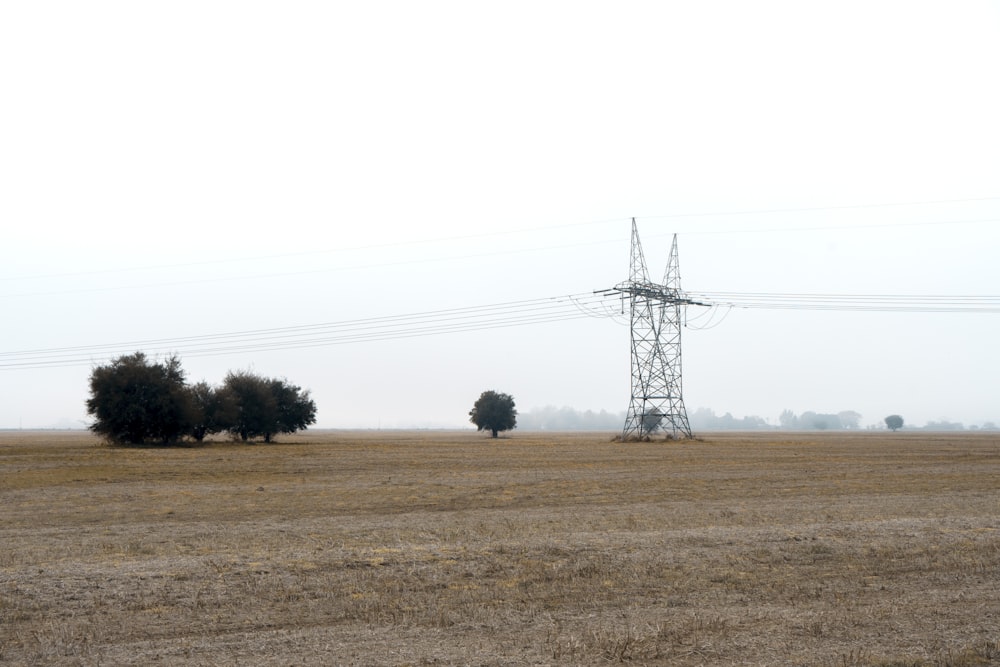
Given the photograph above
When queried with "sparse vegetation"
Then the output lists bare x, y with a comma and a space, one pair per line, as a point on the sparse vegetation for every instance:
426, 548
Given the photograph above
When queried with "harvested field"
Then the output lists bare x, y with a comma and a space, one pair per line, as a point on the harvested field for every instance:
423, 548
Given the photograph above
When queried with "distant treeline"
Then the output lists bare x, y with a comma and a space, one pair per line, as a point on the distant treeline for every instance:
705, 419
551, 418
945, 425
818, 421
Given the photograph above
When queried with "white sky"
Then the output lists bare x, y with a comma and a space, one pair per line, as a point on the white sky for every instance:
189, 168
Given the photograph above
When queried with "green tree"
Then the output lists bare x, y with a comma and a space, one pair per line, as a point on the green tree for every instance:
295, 410
134, 400
265, 407
894, 422
494, 412
214, 410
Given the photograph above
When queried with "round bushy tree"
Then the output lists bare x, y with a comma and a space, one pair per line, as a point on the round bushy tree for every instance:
894, 422
494, 412
264, 407
295, 410
134, 400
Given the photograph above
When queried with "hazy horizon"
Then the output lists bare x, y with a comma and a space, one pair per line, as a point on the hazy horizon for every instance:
567, 418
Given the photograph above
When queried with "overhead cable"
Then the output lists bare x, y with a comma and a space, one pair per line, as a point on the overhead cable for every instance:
456, 320
476, 318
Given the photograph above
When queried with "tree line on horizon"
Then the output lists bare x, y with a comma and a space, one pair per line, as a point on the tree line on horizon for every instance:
136, 401
551, 418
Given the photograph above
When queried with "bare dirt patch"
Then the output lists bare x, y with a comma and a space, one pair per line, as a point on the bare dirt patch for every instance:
397, 548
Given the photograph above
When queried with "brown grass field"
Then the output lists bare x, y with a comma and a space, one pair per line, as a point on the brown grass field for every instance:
449, 548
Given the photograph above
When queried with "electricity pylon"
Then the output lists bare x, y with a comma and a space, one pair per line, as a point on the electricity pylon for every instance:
657, 398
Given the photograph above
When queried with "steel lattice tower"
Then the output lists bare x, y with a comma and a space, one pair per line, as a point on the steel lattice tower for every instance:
657, 398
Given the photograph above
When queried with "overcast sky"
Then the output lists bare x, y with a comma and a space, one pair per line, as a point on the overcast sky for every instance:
172, 170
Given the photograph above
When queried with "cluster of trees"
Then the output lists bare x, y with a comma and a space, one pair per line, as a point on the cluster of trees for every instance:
807, 421
134, 400
895, 422
987, 426
551, 418
705, 419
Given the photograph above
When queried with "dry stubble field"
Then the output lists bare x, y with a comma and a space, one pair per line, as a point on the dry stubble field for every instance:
397, 548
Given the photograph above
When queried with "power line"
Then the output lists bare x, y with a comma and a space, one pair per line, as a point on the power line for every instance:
916, 303
475, 318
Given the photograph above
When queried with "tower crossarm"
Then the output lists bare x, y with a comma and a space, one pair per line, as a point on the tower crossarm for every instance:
653, 292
